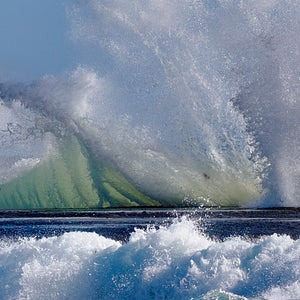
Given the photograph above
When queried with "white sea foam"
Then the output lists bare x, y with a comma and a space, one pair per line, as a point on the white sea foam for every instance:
24, 142
175, 262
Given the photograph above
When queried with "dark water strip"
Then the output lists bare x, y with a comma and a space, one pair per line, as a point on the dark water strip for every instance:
119, 223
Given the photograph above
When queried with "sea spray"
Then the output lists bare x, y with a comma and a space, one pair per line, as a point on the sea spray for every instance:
183, 100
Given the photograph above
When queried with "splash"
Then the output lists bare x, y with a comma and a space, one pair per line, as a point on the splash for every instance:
182, 99
172, 262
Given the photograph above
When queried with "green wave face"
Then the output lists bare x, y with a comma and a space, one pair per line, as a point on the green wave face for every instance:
72, 179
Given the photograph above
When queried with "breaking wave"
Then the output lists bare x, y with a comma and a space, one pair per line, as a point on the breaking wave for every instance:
174, 103
172, 262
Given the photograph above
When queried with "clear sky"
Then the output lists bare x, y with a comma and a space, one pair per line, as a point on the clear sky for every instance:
34, 39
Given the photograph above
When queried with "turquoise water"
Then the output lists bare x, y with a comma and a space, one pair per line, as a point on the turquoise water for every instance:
72, 179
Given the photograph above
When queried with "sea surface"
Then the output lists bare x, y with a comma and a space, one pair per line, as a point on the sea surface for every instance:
150, 254
176, 103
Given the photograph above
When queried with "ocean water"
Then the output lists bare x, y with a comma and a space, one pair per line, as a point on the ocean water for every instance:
170, 104
150, 254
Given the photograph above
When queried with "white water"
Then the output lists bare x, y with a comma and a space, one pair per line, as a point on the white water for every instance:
175, 262
189, 99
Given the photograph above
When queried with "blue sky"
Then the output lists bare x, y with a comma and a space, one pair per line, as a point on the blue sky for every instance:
34, 39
